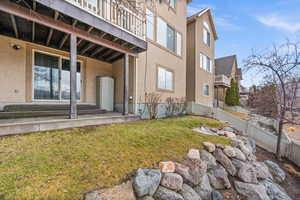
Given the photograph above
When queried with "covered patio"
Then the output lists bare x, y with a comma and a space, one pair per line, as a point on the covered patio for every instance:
76, 44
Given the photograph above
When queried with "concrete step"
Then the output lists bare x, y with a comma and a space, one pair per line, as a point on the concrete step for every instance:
27, 114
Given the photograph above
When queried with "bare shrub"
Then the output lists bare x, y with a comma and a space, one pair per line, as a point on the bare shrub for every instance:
175, 106
152, 101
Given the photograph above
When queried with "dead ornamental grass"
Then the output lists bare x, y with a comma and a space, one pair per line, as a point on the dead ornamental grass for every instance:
66, 163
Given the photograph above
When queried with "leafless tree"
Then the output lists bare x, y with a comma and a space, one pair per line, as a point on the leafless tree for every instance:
278, 63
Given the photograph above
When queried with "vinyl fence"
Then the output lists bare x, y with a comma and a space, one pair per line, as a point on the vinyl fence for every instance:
263, 138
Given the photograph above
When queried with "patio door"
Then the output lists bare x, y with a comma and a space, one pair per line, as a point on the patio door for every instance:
51, 77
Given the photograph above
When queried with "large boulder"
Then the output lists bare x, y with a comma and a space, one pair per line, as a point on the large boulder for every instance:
188, 193
172, 181
278, 174
208, 158
225, 161
204, 189
229, 151
210, 147
215, 195
218, 178
239, 154
262, 171
251, 191
146, 181
93, 195
167, 167
163, 193
146, 198
250, 143
274, 191
190, 176
197, 169
247, 174
238, 163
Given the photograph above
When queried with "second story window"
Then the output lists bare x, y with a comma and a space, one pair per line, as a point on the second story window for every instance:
206, 34
168, 37
150, 24
206, 63
172, 3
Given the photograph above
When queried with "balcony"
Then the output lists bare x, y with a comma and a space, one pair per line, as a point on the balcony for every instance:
117, 13
222, 81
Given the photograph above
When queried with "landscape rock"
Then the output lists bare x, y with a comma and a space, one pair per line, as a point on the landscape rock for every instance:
228, 128
215, 195
238, 163
274, 191
163, 193
208, 158
146, 198
197, 169
229, 151
229, 134
167, 167
251, 191
190, 176
220, 146
93, 195
244, 149
262, 171
146, 181
239, 154
252, 144
218, 178
278, 174
225, 161
194, 154
204, 188
172, 181
247, 174
210, 147
188, 193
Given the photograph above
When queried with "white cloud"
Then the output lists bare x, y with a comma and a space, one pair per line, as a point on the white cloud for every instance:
194, 8
280, 22
225, 23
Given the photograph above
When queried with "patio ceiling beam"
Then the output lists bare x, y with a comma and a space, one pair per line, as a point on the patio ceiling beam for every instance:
33, 23
14, 25
109, 51
18, 10
114, 56
88, 31
96, 51
88, 47
63, 41
56, 15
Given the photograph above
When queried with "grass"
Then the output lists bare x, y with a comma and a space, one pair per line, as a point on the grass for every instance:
65, 164
238, 114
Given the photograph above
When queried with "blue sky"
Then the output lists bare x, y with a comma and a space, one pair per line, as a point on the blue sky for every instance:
243, 25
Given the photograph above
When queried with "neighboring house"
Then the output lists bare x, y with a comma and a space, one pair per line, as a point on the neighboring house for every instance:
226, 70
141, 54
201, 34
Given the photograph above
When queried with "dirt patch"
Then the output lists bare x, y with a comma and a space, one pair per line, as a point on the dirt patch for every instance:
292, 183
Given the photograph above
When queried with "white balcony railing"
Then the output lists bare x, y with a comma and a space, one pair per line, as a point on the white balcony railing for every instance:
222, 80
115, 13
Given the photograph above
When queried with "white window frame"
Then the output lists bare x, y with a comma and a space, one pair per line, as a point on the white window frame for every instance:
60, 68
162, 73
204, 62
206, 32
204, 90
150, 15
172, 5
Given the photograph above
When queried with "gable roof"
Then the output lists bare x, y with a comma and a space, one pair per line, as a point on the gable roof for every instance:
199, 14
224, 65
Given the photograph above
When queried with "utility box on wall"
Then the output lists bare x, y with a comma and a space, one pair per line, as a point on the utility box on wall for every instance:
105, 92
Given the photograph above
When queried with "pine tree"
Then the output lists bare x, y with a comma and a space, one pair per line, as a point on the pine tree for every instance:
230, 99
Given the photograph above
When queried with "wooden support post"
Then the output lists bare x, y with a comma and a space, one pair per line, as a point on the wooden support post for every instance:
73, 71
126, 84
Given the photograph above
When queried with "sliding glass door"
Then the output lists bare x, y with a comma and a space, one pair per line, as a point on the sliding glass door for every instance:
52, 77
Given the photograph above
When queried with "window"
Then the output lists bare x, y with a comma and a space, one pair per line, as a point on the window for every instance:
172, 3
206, 90
168, 37
206, 63
206, 34
52, 77
165, 79
150, 24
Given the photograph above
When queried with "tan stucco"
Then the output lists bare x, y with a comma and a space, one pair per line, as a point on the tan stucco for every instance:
156, 55
16, 71
197, 77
